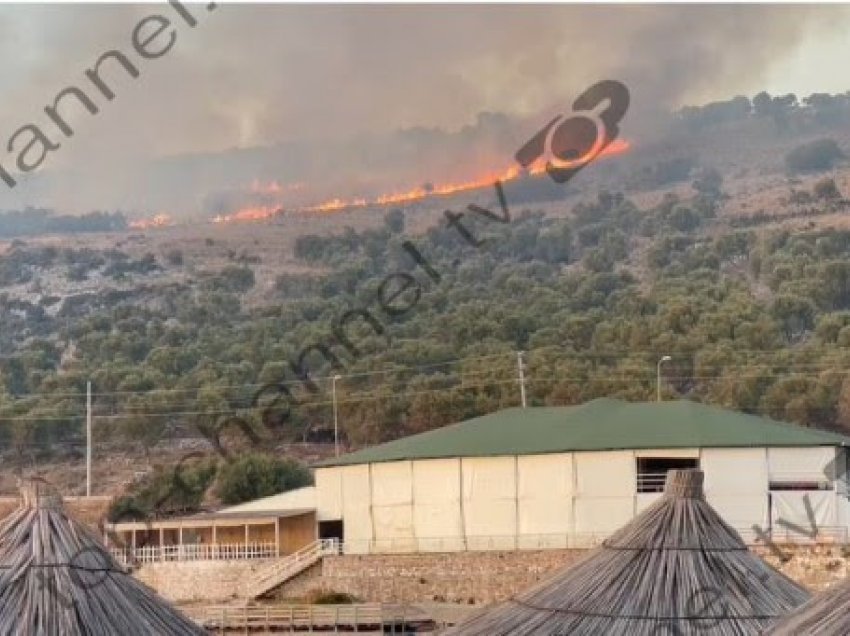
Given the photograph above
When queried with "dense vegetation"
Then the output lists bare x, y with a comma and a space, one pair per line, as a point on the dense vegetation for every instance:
754, 317
32, 222
785, 112
196, 481
754, 320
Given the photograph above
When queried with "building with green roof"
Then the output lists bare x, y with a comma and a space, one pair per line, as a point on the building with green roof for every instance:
568, 476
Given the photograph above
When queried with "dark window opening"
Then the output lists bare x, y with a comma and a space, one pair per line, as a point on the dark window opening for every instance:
331, 530
652, 471
800, 485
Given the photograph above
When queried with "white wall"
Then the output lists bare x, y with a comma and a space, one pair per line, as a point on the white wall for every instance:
605, 491
799, 464
736, 484
392, 505
489, 501
329, 493
546, 500
357, 506
437, 520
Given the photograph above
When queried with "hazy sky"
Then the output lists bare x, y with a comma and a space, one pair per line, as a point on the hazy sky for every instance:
256, 75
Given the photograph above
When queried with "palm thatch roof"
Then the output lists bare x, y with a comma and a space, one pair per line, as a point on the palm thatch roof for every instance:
827, 614
57, 578
677, 568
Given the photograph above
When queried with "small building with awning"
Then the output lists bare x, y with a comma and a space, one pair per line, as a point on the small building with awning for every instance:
266, 528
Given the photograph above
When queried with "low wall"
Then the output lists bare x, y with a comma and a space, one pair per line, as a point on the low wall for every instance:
486, 577
209, 581
459, 577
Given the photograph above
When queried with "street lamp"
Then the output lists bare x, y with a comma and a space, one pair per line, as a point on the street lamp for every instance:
336, 416
658, 374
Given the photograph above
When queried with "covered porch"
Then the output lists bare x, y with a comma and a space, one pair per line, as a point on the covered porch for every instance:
212, 536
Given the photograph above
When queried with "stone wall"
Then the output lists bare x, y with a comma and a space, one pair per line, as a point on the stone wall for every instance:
207, 581
485, 577
461, 577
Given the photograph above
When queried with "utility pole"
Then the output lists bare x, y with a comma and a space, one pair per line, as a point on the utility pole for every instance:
658, 376
88, 439
336, 416
521, 368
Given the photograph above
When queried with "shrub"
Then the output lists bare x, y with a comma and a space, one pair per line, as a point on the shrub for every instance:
233, 278
176, 490
322, 597
826, 189
254, 475
174, 257
708, 182
813, 156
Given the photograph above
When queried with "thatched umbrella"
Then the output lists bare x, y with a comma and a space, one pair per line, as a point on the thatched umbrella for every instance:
676, 569
827, 614
57, 578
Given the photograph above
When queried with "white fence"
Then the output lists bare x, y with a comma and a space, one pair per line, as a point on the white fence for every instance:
194, 552
779, 535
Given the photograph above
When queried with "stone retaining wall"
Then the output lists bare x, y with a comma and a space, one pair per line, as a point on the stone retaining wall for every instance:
207, 581
460, 577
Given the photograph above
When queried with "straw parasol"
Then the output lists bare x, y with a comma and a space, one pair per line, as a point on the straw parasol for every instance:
827, 614
57, 578
676, 569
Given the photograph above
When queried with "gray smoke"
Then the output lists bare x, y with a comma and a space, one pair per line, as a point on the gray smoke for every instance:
352, 99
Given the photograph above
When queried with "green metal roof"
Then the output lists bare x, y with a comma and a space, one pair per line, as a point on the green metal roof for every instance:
603, 424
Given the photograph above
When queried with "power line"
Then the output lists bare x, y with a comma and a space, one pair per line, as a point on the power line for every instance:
390, 395
793, 369
258, 385
357, 397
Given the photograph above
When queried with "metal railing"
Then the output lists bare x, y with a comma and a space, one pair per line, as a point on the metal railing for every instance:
651, 482
194, 552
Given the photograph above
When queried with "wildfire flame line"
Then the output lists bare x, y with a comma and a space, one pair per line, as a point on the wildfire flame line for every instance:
616, 147
159, 220
258, 213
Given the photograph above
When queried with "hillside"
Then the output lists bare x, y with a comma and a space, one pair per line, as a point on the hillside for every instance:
700, 243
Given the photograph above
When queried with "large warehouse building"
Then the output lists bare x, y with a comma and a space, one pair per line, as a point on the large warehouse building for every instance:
568, 476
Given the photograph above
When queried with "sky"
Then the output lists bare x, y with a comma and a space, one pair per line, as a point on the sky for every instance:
250, 76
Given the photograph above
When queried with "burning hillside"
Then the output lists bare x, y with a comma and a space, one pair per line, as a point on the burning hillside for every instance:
277, 192
158, 220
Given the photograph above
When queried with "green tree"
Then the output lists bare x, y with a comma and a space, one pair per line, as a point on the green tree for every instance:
254, 475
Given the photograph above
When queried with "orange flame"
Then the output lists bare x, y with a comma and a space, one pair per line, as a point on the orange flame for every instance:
159, 220
273, 188
616, 147
249, 214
